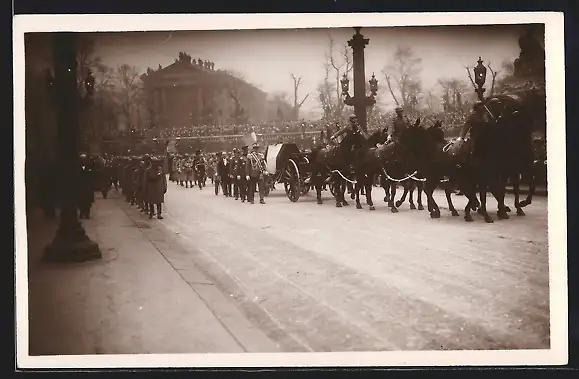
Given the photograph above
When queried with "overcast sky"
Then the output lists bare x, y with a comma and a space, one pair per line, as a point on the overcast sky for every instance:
267, 57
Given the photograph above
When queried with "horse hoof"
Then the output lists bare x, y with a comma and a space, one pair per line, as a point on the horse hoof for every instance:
394, 210
488, 219
385, 199
338, 205
520, 212
508, 209
502, 215
435, 215
468, 218
358, 206
420, 207
398, 204
319, 201
454, 213
524, 203
372, 208
345, 203
412, 206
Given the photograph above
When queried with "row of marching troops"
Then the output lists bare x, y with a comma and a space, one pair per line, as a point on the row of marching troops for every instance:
238, 174
142, 181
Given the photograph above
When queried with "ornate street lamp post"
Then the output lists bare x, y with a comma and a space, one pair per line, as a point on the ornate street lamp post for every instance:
480, 77
71, 244
359, 101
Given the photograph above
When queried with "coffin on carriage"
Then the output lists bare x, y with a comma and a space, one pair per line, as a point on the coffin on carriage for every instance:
290, 166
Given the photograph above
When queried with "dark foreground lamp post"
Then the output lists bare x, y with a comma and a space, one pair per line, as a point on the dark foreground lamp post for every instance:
480, 77
71, 244
359, 101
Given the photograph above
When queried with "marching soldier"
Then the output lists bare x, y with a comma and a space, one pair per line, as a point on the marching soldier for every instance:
234, 164
200, 165
255, 175
223, 173
156, 188
229, 159
86, 187
187, 172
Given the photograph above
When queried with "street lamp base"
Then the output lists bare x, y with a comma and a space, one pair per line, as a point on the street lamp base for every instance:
71, 244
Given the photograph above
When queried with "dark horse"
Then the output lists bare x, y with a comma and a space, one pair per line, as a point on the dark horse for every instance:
442, 166
399, 166
336, 163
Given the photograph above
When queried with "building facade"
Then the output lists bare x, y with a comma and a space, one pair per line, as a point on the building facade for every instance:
191, 92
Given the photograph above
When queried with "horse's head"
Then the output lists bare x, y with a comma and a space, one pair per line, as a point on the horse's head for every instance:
435, 133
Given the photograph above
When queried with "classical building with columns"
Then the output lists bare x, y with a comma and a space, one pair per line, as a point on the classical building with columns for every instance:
191, 92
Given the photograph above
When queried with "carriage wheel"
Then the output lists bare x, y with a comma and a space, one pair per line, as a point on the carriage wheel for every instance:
292, 181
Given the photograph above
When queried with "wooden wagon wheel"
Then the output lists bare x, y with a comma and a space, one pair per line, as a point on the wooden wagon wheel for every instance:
292, 181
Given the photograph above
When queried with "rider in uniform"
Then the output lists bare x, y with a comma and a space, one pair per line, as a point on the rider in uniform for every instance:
255, 172
398, 125
353, 128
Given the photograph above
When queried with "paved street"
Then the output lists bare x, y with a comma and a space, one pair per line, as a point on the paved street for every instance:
320, 278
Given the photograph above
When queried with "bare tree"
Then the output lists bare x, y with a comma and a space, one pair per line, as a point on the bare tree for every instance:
329, 90
128, 88
403, 78
454, 94
297, 104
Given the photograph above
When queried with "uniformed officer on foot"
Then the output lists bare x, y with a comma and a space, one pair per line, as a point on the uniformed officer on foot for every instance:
256, 172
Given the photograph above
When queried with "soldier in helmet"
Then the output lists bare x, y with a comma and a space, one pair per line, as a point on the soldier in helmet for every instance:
85, 195
398, 125
255, 174
156, 187
240, 171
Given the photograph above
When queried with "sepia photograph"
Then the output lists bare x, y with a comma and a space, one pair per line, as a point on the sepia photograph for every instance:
196, 191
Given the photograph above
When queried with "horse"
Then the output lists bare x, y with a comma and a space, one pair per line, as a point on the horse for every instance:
450, 166
335, 162
399, 167
515, 150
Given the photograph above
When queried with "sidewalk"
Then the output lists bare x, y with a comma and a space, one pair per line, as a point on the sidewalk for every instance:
133, 301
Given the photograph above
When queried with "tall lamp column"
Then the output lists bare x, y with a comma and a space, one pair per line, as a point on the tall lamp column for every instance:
71, 244
359, 101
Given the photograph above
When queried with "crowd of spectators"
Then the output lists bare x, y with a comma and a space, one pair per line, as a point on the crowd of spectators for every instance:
225, 137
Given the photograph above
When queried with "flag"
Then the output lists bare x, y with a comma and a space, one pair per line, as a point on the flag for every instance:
249, 139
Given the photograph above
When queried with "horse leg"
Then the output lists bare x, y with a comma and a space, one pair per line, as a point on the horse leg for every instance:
448, 190
420, 187
482, 210
357, 188
517, 191
403, 197
412, 187
432, 206
317, 177
344, 185
386, 186
529, 175
391, 204
369, 183
498, 191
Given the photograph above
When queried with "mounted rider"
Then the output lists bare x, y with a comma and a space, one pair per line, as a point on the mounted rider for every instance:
398, 125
